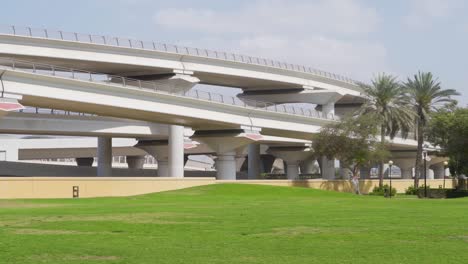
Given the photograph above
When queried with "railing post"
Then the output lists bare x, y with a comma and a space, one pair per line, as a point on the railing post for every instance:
142, 45
76, 36
90, 38
14, 30
139, 83
154, 46
46, 33
130, 43
104, 40
53, 70
61, 35
90, 76
117, 41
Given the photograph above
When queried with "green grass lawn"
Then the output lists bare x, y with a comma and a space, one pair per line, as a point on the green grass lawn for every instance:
233, 223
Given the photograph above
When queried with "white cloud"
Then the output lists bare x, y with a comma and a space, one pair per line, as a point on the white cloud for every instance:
335, 16
330, 35
424, 12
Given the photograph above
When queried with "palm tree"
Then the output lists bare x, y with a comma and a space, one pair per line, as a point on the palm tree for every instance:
427, 96
390, 106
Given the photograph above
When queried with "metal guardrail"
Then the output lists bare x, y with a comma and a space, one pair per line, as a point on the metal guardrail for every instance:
39, 110
161, 47
157, 87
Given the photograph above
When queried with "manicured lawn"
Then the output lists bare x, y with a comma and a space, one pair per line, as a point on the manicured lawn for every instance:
235, 224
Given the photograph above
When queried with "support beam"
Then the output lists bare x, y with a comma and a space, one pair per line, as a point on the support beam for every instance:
176, 151
104, 156
254, 161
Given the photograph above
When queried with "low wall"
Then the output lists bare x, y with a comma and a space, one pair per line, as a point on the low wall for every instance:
62, 187
366, 186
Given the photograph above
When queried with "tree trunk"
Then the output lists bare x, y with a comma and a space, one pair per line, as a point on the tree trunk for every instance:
381, 164
418, 165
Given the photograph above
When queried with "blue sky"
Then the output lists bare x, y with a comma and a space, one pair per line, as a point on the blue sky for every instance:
357, 38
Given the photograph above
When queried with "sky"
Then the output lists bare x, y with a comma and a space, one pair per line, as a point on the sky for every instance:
355, 38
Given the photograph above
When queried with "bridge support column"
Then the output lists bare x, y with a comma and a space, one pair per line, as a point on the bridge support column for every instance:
135, 162
327, 168
439, 170
328, 109
176, 151
307, 166
226, 166
253, 161
226, 143
292, 156
406, 167
104, 153
345, 172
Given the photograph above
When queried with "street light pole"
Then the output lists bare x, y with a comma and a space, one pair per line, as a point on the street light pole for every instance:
445, 169
425, 173
390, 163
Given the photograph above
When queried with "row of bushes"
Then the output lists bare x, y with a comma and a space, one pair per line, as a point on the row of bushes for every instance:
383, 191
442, 193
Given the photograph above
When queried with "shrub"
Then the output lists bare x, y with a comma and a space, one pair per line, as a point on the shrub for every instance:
381, 191
411, 190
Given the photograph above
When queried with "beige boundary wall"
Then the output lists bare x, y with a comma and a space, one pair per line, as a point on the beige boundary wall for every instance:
62, 187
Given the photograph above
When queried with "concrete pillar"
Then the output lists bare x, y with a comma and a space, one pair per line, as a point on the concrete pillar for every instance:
327, 168
406, 167
292, 171
84, 162
253, 161
163, 167
345, 172
135, 162
176, 151
439, 170
226, 166
308, 166
104, 155
328, 109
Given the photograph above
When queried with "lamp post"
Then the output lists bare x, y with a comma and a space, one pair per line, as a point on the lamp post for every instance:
445, 169
390, 164
425, 173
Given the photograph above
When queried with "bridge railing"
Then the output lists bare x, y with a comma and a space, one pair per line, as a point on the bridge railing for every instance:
162, 47
39, 110
155, 86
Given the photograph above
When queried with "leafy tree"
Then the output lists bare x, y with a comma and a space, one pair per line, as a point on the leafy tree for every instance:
352, 141
389, 106
448, 129
427, 96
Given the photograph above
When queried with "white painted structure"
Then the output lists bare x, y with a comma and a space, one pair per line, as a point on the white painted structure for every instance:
133, 87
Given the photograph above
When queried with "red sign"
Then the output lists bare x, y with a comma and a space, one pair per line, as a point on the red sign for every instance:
10, 106
255, 137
